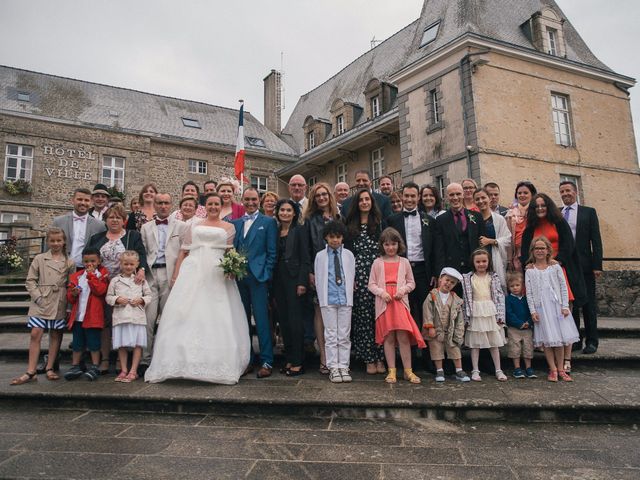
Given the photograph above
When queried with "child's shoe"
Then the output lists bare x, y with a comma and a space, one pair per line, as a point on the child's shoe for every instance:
346, 376
121, 377
530, 373
411, 377
462, 376
518, 373
440, 375
501, 376
335, 376
553, 376
391, 376
74, 372
92, 373
475, 376
564, 376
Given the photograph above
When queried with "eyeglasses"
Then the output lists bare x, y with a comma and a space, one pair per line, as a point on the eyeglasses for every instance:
299, 185
539, 248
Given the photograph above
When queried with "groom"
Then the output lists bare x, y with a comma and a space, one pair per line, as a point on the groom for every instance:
256, 237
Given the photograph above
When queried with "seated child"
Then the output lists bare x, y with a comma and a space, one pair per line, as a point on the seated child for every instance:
444, 324
129, 319
519, 327
86, 290
335, 270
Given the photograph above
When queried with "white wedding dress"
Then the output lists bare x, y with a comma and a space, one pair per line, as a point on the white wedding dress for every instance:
203, 332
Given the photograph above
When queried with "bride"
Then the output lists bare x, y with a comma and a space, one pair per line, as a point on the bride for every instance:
203, 333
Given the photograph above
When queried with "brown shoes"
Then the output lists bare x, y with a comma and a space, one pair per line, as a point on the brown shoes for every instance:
264, 372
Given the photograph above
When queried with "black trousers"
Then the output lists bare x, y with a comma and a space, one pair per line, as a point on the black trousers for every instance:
419, 294
589, 313
289, 312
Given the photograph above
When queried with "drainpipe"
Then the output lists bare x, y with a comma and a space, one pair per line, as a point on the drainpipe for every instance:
463, 61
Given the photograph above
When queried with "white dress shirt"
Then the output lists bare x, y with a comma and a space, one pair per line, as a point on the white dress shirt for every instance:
79, 233
573, 217
162, 243
413, 232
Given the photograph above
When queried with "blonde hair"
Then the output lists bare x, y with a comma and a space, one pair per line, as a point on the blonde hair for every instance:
515, 277
58, 231
546, 242
130, 254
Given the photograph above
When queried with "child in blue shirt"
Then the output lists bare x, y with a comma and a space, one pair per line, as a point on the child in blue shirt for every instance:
519, 327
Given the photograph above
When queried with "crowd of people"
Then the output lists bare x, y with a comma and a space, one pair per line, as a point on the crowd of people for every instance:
349, 273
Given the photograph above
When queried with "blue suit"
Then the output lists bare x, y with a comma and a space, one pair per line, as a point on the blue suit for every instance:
260, 248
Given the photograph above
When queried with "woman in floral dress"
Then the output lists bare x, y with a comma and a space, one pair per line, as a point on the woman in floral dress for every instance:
364, 225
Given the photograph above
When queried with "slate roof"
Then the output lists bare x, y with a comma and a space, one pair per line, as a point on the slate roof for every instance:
498, 20
91, 103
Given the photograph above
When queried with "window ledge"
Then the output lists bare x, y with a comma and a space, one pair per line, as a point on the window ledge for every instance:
435, 127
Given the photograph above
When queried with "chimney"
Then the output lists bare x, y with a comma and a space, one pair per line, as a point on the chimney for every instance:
272, 102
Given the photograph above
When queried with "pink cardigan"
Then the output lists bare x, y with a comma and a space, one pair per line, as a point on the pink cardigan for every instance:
377, 284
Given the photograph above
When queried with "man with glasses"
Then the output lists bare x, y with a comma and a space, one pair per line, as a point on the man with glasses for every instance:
298, 190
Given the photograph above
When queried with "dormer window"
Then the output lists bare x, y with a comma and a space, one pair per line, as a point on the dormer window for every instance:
340, 124
429, 35
552, 35
190, 122
311, 140
545, 30
24, 97
375, 106
315, 131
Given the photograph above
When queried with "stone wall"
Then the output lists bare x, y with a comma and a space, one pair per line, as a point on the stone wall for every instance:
618, 294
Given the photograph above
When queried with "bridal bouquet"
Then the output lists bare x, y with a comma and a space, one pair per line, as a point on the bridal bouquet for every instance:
234, 264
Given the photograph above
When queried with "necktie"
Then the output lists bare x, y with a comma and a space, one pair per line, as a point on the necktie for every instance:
566, 213
412, 213
162, 222
336, 265
461, 220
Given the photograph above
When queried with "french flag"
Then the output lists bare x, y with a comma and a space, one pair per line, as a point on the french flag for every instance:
239, 163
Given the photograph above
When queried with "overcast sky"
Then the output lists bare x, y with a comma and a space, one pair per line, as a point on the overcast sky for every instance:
219, 51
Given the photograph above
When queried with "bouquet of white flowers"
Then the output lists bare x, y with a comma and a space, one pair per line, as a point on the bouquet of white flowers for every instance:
234, 264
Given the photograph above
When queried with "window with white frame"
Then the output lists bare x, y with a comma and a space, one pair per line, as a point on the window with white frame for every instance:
14, 217
18, 162
440, 185
561, 119
375, 106
435, 106
575, 180
259, 183
311, 139
340, 123
341, 172
377, 162
552, 36
198, 166
312, 181
113, 172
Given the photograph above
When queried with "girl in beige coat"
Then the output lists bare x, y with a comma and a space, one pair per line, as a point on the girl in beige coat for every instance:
47, 286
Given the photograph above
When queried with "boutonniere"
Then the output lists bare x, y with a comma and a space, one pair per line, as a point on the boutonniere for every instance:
472, 218
425, 221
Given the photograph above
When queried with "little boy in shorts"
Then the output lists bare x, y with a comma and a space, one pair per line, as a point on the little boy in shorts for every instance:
519, 327
85, 292
443, 327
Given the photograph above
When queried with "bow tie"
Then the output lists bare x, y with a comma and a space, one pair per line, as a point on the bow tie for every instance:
412, 212
162, 222
79, 219
251, 217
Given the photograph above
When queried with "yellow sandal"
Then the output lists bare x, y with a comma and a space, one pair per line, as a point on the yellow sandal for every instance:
391, 376
411, 377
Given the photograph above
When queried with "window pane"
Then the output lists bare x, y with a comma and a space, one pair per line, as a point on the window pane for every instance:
12, 149
27, 151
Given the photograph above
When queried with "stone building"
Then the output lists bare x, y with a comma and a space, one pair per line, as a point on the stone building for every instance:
59, 134
496, 90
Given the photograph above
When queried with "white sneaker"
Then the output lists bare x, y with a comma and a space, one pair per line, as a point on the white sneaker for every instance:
346, 376
439, 375
335, 376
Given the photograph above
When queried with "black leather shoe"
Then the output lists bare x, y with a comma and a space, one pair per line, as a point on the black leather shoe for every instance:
576, 347
589, 349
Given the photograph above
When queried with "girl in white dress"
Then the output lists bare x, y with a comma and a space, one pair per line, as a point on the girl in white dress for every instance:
483, 312
203, 334
548, 300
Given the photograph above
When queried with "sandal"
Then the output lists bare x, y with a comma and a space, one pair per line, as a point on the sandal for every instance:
51, 374
564, 376
121, 376
323, 369
26, 377
553, 376
501, 376
132, 376
391, 376
567, 366
411, 377
475, 376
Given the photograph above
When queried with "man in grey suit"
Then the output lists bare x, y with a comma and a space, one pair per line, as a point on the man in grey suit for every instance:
78, 226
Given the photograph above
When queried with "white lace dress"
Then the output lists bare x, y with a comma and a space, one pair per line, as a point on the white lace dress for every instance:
203, 333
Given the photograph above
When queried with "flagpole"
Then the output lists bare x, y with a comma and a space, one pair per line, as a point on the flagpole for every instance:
239, 161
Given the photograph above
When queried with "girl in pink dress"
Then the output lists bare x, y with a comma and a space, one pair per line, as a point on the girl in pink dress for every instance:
391, 280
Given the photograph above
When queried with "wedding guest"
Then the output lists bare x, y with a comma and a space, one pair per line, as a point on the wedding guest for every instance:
493, 190
364, 226
298, 190
227, 188
290, 283
190, 190
134, 205
396, 201
147, 210
585, 229
100, 200
162, 240
363, 180
430, 201
268, 202
321, 209
497, 238
188, 206
210, 186
385, 183
257, 236
516, 219
111, 243
469, 186
341, 192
